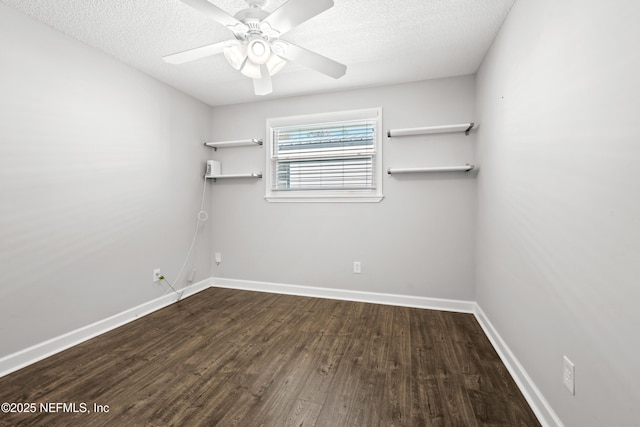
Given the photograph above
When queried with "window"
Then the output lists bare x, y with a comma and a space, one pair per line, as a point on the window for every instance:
325, 157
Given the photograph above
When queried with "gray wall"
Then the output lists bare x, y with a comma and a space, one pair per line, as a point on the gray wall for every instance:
417, 241
559, 201
100, 182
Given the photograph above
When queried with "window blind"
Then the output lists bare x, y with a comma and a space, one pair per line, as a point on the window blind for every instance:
330, 156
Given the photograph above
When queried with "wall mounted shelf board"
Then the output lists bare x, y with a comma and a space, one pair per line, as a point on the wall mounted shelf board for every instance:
236, 143
463, 127
236, 175
464, 168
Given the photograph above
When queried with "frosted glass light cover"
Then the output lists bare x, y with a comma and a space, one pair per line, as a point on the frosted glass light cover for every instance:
275, 64
258, 51
235, 55
251, 70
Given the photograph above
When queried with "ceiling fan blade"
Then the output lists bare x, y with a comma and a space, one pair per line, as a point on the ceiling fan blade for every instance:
197, 53
295, 12
215, 13
309, 59
262, 86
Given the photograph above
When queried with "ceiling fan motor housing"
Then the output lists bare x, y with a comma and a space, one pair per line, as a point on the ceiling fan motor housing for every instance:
251, 14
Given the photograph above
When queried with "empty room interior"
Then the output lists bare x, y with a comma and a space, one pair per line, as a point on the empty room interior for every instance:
319, 212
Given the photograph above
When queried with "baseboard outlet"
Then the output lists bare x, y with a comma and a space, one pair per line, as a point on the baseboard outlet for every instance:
33, 354
545, 413
346, 295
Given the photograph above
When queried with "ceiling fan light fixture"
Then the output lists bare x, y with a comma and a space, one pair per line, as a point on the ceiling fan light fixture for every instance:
251, 70
275, 64
235, 55
258, 51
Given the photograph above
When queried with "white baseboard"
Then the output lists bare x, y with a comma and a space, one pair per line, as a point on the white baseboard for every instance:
22, 358
546, 415
340, 294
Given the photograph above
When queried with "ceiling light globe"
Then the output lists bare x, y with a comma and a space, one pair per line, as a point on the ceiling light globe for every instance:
258, 51
251, 70
275, 64
235, 55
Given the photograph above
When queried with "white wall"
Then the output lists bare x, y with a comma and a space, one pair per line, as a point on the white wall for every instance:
417, 241
100, 182
559, 201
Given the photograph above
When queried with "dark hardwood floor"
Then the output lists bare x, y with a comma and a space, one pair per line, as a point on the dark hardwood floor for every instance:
235, 358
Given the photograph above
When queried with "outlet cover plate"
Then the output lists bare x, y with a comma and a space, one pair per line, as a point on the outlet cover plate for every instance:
357, 267
569, 374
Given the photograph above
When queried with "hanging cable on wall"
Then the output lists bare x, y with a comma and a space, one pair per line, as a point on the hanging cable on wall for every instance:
201, 217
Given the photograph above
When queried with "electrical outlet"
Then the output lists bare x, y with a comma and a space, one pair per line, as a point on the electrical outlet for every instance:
218, 257
569, 374
156, 275
357, 267
192, 276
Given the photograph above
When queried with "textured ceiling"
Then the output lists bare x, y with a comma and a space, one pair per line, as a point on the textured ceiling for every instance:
380, 41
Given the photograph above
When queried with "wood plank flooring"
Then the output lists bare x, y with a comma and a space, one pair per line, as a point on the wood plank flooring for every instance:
236, 358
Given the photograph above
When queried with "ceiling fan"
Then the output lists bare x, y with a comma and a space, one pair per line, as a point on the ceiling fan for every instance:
257, 50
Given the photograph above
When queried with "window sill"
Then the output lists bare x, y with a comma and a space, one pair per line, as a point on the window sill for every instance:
324, 199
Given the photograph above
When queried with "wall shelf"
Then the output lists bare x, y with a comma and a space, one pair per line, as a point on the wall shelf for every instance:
463, 127
464, 168
236, 143
236, 175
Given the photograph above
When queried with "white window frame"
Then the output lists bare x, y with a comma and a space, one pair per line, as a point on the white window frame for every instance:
368, 195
